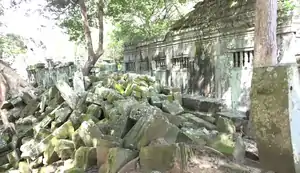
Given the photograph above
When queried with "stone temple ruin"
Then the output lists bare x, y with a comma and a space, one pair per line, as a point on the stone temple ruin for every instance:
45, 75
182, 119
209, 54
124, 123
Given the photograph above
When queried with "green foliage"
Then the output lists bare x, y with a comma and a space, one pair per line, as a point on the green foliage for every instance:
286, 5
115, 47
11, 44
72, 25
69, 18
134, 20
139, 19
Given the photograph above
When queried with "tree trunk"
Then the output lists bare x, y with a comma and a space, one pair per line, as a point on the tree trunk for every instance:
92, 55
265, 45
265, 54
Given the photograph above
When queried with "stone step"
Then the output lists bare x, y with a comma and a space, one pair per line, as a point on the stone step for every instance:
201, 104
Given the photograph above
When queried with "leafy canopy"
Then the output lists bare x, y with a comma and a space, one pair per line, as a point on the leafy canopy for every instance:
133, 20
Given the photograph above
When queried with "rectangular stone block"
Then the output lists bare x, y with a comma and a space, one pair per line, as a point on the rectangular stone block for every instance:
275, 115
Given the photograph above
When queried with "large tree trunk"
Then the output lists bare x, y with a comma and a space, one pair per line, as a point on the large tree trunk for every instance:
265, 55
92, 55
265, 46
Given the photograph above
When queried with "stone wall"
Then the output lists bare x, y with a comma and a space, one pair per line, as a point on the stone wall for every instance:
198, 54
45, 75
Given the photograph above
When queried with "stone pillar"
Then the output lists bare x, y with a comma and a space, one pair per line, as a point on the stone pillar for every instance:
275, 114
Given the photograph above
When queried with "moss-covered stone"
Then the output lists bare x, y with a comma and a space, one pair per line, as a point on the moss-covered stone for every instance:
24, 167
165, 158
14, 158
5, 167
172, 107
85, 157
117, 158
94, 110
42, 134
74, 170
36, 163
65, 149
78, 142
225, 125
64, 131
270, 116
145, 130
89, 132
50, 155
223, 143
61, 115
44, 123
31, 150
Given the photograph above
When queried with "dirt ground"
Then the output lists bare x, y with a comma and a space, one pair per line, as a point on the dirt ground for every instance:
205, 160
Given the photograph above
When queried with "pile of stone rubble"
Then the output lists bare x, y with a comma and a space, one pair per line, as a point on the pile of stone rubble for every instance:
113, 123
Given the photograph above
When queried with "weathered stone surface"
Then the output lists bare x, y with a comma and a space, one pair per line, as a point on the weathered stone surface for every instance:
223, 143
118, 157
3, 144
85, 157
156, 101
142, 109
193, 136
47, 145
42, 134
65, 149
145, 130
30, 150
64, 131
165, 158
89, 133
67, 93
172, 107
78, 83
62, 114
198, 122
201, 104
94, 110
124, 106
239, 150
177, 96
270, 115
77, 118
108, 127
13, 158
225, 125
30, 109
207, 116
24, 167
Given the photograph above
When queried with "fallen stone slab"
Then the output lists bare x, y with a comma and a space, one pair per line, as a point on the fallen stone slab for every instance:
85, 157
78, 83
172, 107
146, 129
198, 122
225, 125
67, 93
165, 158
118, 157
201, 104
